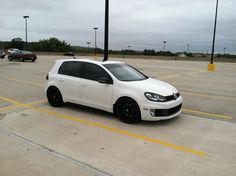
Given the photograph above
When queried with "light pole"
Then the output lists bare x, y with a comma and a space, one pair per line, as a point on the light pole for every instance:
188, 48
95, 50
88, 43
128, 49
164, 47
224, 51
211, 66
106, 32
26, 40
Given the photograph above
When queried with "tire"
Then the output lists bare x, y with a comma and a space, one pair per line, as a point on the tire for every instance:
9, 58
127, 110
54, 97
33, 59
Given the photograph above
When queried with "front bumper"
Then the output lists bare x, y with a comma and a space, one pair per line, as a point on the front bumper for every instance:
155, 111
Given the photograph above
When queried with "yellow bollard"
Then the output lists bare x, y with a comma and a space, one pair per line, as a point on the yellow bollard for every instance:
211, 67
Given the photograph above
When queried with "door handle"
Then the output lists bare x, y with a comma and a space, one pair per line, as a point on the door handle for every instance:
84, 84
61, 80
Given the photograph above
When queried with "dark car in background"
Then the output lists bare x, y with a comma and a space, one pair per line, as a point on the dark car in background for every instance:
69, 54
2, 54
22, 56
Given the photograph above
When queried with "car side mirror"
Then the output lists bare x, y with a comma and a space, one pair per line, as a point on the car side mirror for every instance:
105, 80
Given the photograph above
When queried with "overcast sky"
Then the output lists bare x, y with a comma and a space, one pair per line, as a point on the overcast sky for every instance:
138, 23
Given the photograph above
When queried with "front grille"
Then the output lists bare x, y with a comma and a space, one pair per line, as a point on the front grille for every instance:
172, 97
167, 112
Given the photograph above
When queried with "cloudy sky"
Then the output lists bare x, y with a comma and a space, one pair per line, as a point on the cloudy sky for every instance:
138, 23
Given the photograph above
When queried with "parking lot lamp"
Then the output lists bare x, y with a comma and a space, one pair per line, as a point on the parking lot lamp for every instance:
88, 43
211, 66
95, 48
164, 47
26, 39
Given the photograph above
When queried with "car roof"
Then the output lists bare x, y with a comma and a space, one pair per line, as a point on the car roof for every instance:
90, 61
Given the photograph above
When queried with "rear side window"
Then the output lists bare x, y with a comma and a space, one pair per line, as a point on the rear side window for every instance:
94, 72
70, 68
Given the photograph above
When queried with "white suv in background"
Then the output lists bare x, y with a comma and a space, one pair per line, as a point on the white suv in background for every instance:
114, 87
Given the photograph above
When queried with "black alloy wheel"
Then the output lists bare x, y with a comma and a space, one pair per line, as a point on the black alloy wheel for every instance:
54, 97
128, 110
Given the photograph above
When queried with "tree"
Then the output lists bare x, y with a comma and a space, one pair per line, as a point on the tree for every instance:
51, 45
17, 43
149, 52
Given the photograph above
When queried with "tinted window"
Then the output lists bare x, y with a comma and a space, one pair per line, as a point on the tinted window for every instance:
124, 72
94, 72
70, 68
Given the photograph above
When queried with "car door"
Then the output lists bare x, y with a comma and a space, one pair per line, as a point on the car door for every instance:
69, 81
94, 93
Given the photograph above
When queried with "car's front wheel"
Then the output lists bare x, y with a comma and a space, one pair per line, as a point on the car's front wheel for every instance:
127, 110
54, 97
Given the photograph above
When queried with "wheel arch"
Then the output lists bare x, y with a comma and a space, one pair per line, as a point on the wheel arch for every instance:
122, 97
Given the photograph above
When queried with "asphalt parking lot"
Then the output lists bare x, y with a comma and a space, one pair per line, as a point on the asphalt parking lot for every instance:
37, 139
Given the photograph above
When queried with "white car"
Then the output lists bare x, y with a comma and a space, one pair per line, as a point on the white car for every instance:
12, 50
114, 87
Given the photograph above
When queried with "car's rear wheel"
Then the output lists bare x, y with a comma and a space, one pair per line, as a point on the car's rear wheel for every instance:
32, 59
54, 97
127, 110
9, 58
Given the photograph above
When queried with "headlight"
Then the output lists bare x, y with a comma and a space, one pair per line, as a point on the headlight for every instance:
154, 97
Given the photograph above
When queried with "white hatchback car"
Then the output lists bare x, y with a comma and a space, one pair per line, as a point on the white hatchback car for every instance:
114, 87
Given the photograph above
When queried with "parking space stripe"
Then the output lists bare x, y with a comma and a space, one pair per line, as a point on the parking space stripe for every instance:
26, 82
9, 108
20, 105
184, 92
208, 96
207, 114
116, 130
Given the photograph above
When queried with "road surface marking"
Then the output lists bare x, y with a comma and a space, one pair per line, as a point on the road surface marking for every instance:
207, 114
116, 130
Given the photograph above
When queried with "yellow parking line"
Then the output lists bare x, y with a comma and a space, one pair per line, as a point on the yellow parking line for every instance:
184, 92
208, 96
116, 130
181, 74
20, 105
37, 102
9, 108
207, 114
26, 82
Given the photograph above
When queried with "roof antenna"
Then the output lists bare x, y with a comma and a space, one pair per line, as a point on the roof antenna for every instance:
106, 30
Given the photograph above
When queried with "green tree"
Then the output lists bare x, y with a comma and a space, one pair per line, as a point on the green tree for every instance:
17, 43
51, 45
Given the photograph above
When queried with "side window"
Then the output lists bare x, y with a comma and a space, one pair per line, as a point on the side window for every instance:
70, 68
94, 72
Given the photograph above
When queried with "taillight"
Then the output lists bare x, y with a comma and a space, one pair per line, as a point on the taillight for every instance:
47, 77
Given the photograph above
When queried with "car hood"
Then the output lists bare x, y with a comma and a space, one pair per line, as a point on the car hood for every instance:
152, 85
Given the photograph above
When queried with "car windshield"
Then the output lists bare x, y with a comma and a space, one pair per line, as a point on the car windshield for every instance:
26, 52
124, 72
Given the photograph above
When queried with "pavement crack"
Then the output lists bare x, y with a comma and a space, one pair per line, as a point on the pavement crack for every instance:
97, 172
